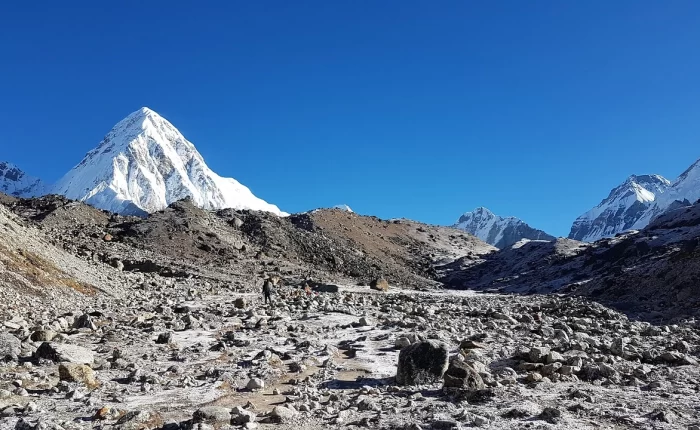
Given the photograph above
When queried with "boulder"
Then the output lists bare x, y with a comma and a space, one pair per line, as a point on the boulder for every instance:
9, 345
242, 416
43, 335
140, 420
380, 284
461, 375
281, 414
239, 303
255, 384
422, 363
538, 354
78, 373
212, 415
326, 288
58, 352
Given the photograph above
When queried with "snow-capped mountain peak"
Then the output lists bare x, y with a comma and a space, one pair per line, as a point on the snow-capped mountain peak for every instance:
498, 231
625, 208
14, 182
144, 164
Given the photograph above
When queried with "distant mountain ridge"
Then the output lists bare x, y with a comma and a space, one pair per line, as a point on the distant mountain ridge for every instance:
15, 182
498, 231
636, 203
625, 207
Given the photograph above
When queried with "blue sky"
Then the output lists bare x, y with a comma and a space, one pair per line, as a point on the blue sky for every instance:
405, 108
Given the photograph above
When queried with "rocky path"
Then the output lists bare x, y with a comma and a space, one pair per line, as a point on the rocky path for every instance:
208, 357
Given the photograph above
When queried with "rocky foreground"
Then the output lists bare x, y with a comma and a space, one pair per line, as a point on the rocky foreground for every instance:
189, 355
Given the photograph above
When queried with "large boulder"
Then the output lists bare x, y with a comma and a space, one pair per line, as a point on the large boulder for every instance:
380, 284
212, 415
9, 345
62, 352
461, 375
422, 363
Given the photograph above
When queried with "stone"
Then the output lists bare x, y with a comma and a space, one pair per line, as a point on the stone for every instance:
78, 373
538, 354
164, 338
85, 321
282, 414
364, 322
212, 415
533, 377
107, 237
58, 352
140, 420
402, 342
43, 336
463, 376
554, 357
422, 363
240, 303
9, 345
618, 347
551, 415
255, 384
241, 416
379, 284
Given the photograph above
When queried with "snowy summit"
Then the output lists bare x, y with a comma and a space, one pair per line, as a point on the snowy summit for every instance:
498, 231
628, 206
144, 164
14, 182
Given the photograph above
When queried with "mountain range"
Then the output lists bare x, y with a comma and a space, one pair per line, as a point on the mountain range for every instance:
144, 164
498, 231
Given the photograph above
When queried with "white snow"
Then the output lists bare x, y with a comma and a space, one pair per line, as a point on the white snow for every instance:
15, 182
144, 164
637, 202
343, 207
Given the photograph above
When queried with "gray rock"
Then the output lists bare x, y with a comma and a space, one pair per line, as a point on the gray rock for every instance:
402, 342
538, 354
58, 352
461, 375
551, 415
212, 415
422, 363
43, 335
140, 420
255, 384
281, 414
242, 416
85, 321
9, 345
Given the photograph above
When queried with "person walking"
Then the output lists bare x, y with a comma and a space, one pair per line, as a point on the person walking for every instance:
267, 291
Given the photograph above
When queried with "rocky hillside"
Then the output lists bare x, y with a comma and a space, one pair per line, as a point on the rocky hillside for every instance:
499, 231
184, 238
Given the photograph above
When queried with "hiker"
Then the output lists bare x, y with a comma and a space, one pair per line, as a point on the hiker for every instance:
267, 290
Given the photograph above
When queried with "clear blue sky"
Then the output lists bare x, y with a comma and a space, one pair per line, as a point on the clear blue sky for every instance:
406, 108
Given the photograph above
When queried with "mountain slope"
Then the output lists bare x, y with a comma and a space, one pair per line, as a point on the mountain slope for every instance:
14, 182
627, 206
144, 164
498, 231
